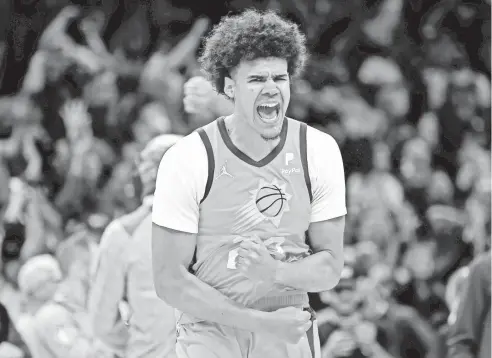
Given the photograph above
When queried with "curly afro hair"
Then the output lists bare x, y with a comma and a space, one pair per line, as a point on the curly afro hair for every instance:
249, 36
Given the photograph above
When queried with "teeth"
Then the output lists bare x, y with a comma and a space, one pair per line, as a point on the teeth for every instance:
269, 105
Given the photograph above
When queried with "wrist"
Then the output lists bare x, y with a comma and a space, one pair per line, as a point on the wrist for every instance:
279, 272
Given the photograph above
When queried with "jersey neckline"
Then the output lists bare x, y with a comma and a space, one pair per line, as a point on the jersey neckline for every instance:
243, 156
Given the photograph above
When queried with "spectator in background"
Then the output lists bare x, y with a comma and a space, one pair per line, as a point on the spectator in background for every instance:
344, 332
469, 334
38, 280
124, 275
61, 326
379, 82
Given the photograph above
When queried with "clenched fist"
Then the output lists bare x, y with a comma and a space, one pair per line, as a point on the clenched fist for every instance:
199, 96
289, 324
255, 261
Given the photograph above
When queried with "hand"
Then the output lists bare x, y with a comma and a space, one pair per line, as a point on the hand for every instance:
54, 36
255, 262
289, 324
76, 118
339, 344
199, 96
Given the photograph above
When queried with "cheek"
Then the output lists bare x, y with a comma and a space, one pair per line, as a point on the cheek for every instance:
285, 92
246, 97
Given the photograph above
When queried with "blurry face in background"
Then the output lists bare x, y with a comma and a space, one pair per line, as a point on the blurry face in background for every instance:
394, 100
441, 189
261, 94
376, 227
419, 260
436, 81
463, 93
464, 101
415, 164
428, 129
153, 121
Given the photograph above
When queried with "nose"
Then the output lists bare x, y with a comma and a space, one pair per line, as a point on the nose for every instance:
271, 88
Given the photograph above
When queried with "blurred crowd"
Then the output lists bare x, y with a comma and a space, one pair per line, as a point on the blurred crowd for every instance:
403, 86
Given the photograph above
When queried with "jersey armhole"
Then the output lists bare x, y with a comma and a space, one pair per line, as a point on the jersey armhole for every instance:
211, 162
304, 158
305, 169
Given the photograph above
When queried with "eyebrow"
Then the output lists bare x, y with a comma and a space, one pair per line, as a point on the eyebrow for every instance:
260, 76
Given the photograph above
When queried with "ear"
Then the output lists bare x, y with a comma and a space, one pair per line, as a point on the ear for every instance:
229, 87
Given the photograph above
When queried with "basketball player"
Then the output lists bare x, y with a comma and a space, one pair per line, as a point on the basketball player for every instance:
242, 192
124, 273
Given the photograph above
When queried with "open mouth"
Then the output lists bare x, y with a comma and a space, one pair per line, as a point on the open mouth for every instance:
268, 112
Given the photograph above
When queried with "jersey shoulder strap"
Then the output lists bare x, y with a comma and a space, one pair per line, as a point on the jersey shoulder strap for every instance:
304, 159
210, 159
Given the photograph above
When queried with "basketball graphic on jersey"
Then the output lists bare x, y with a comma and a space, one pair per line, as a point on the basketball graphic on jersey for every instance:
268, 202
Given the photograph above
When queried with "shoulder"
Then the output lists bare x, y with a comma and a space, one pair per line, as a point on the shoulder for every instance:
187, 147
114, 235
189, 154
131, 221
318, 140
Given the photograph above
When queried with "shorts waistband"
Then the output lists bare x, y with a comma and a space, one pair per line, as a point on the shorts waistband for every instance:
275, 302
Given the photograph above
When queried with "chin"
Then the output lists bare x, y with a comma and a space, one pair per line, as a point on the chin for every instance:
270, 130
268, 136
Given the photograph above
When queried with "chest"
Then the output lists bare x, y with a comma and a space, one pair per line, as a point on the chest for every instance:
244, 198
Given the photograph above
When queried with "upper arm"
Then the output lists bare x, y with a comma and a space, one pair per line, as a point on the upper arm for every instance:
172, 253
180, 185
327, 236
327, 176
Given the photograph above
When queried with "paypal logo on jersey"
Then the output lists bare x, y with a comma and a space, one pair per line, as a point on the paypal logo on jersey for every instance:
288, 158
291, 171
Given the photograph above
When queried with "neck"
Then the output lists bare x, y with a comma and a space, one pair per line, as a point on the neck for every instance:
247, 139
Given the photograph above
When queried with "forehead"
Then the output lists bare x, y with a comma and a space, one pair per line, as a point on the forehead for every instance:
262, 66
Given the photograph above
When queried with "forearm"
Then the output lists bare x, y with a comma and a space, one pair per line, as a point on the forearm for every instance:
192, 296
316, 273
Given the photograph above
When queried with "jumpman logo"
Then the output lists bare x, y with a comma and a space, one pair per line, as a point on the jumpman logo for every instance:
223, 171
